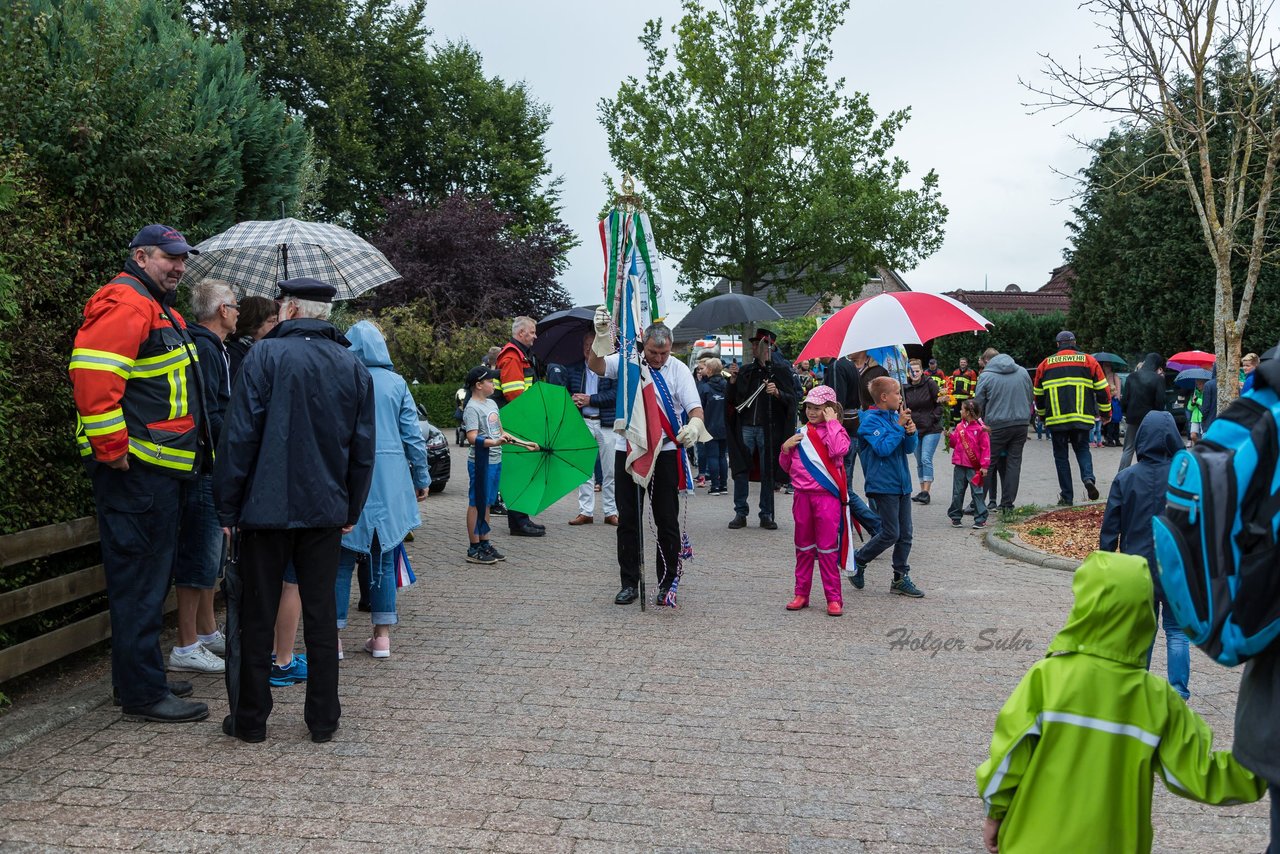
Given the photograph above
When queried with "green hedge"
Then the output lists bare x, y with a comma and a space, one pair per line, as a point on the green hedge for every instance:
439, 401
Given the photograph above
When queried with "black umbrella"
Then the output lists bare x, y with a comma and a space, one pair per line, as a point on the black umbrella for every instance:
560, 335
727, 310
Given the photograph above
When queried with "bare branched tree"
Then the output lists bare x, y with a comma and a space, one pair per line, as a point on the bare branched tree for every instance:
1202, 75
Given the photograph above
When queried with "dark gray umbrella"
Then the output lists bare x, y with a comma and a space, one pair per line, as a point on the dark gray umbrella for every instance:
560, 335
727, 310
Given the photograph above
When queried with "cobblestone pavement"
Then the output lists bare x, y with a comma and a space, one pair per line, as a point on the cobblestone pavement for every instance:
522, 711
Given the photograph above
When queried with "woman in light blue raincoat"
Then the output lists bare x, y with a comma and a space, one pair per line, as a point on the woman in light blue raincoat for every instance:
399, 476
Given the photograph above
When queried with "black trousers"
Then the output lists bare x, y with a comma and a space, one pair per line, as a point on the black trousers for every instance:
664, 497
138, 512
263, 557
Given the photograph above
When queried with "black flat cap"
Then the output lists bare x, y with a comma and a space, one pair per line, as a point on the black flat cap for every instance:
313, 290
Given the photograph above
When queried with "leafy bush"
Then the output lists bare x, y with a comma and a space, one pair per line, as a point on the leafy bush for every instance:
1028, 338
430, 353
439, 400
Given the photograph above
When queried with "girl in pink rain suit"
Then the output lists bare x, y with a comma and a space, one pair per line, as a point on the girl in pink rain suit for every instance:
819, 513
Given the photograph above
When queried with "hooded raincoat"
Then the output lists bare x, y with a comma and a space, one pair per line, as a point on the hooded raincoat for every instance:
392, 508
1078, 742
1138, 493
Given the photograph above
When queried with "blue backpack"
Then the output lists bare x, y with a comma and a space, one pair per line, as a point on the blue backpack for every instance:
1216, 543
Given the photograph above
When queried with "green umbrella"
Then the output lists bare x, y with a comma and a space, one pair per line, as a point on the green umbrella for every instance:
532, 481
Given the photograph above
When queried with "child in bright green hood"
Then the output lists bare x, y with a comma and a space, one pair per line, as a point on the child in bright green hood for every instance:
1077, 743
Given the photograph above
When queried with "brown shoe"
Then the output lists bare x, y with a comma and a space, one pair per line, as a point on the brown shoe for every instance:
581, 519
611, 520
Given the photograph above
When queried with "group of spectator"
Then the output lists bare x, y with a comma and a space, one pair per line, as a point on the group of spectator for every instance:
258, 434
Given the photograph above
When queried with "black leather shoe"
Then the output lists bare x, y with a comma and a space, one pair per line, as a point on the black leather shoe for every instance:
229, 728
170, 710
626, 596
179, 688
738, 522
528, 531
660, 599
1091, 489
321, 737
768, 524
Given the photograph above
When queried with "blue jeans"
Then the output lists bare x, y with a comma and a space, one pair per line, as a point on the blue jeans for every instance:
199, 538
1177, 648
753, 439
1077, 439
850, 460
895, 530
925, 449
382, 586
715, 463
961, 484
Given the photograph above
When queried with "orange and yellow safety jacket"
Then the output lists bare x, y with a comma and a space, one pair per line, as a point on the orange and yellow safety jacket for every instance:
133, 379
1071, 390
515, 371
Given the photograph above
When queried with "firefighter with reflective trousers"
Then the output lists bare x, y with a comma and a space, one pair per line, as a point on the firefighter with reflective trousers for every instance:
140, 431
1071, 392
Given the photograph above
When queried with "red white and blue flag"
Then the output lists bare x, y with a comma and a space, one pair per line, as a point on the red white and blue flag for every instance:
404, 572
829, 474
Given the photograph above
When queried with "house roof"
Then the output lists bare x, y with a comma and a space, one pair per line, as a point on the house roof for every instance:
795, 304
1054, 296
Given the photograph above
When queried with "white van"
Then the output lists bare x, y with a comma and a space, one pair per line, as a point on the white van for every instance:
726, 348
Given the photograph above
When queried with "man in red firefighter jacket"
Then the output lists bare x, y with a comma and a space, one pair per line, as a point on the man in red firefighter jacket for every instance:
515, 376
140, 430
1070, 391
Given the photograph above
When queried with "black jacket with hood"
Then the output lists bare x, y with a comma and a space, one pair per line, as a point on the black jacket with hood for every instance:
1143, 391
1138, 493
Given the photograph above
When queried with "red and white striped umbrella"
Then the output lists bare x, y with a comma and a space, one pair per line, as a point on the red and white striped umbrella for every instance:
908, 317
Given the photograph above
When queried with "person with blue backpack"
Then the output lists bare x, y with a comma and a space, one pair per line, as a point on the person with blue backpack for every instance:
1136, 498
1219, 556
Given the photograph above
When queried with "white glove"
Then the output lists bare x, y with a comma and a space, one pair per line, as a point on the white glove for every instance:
693, 433
603, 345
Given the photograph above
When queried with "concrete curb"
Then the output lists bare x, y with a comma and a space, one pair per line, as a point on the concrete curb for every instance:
1017, 549
25, 725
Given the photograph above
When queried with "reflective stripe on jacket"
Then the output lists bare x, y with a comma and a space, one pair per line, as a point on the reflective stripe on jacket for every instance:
1071, 390
515, 370
133, 378
962, 384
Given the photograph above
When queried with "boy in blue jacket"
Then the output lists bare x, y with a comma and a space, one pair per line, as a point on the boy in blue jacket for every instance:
887, 437
1138, 496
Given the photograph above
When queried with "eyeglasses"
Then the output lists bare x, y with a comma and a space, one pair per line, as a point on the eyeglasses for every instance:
234, 305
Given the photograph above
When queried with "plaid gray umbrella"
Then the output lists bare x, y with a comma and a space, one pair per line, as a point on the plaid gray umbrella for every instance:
255, 255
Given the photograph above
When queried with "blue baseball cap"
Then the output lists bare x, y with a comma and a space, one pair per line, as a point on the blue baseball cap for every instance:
167, 239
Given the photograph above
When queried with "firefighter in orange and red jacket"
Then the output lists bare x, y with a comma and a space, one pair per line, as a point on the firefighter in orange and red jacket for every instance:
1070, 391
140, 430
515, 376
963, 383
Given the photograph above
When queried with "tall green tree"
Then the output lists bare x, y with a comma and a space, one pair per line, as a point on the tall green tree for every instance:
1202, 77
392, 116
1143, 279
759, 166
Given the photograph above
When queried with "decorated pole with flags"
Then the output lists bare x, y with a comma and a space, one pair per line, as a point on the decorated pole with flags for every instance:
635, 299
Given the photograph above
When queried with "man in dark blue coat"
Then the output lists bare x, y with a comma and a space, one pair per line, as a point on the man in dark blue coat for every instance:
295, 462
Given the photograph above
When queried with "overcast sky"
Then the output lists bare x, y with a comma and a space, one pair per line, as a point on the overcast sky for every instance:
955, 64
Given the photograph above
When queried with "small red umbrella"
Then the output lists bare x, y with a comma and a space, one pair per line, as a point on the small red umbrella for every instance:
1191, 359
908, 317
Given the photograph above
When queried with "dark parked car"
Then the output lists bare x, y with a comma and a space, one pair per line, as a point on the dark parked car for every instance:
438, 462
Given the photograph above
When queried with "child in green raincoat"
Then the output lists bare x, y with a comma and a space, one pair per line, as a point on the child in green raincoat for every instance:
1077, 743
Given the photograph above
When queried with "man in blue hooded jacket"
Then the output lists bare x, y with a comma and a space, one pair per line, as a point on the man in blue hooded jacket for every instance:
1137, 496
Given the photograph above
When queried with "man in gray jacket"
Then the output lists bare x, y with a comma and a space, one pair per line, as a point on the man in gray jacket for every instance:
1004, 393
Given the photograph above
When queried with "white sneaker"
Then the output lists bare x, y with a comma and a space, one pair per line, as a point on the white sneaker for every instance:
217, 646
200, 660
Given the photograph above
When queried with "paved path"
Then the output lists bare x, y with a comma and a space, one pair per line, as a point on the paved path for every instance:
523, 711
